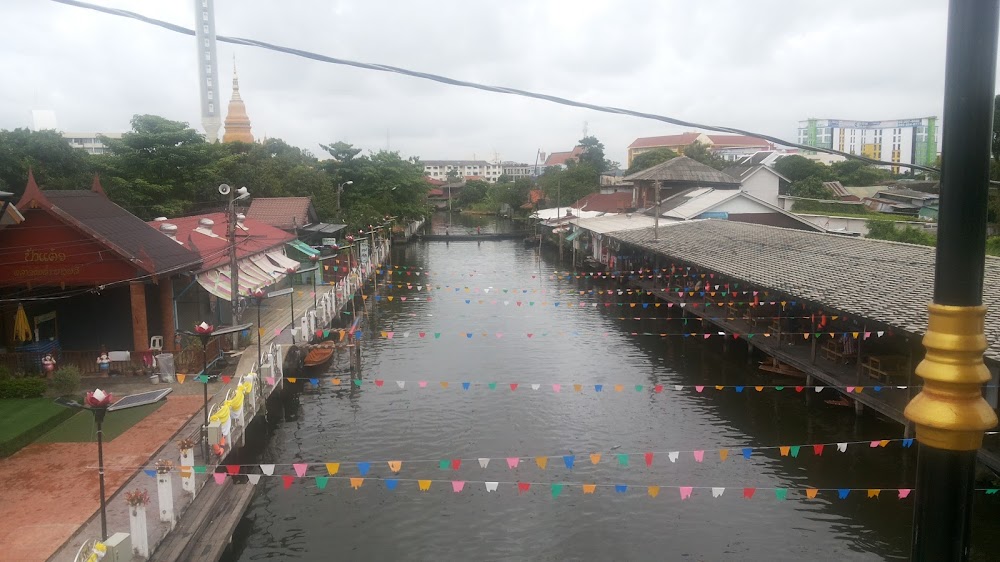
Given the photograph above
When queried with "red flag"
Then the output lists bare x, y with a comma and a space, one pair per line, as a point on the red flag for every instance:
523, 487
288, 480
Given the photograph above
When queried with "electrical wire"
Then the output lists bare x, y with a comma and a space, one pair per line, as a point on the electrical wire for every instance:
474, 85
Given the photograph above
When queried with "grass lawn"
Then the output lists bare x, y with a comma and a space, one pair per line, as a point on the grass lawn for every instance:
81, 427
23, 420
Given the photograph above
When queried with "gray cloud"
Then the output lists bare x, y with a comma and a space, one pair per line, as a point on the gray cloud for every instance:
760, 65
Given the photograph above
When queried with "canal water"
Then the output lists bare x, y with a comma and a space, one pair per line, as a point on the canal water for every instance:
570, 345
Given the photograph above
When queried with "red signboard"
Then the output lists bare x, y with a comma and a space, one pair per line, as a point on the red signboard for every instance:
44, 251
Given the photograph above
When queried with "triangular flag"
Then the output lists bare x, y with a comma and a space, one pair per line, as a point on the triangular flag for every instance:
180, 378
484, 462
556, 490
542, 462
491, 486
401, 384
780, 493
395, 466
904, 492
723, 454
523, 487
685, 492
842, 447
569, 460
818, 450
589, 488
512, 462
220, 477
785, 449
391, 483
267, 469
716, 492
300, 469
232, 469
843, 492
623, 459
321, 481
357, 482
621, 488
457, 485
332, 468
253, 478
673, 456
653, 491
649, 459
363, 468
287, 480
811, 492
152, 472
748, 492
699, 456
874, 492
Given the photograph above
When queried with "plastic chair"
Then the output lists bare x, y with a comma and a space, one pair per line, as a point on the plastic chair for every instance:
156, 343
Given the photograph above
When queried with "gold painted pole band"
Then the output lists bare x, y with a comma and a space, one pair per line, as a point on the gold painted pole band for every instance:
950, 412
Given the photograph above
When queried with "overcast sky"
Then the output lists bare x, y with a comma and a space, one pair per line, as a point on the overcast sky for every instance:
760, 66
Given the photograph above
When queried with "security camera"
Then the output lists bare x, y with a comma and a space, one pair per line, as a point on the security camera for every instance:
224, 189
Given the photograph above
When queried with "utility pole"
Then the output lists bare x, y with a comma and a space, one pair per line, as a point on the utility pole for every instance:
234, 270
656, 211
950, 413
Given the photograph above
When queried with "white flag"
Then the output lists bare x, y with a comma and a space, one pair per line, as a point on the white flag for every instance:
492, 486
267, 469
484, 462
716, 492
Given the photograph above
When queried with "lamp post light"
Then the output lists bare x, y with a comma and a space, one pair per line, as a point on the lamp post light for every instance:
315, 261
205, 332
99, 403
340, 189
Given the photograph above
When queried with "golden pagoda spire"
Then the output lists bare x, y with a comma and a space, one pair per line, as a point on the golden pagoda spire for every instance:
237, 121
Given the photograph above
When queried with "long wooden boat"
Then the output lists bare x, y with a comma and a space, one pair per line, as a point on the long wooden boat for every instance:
318, 356
772, 365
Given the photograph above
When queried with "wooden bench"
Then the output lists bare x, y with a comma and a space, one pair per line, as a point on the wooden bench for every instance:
885, 367
833, 350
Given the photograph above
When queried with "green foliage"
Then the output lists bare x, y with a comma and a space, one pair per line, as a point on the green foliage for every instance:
650, 159
593, 154
810, 188
473, 192
829, 207
5, 373
885, 230
66, 380
54, 163
23, 387
702, 153
797, 168
564, 187
497, 195
993, 246
857, 173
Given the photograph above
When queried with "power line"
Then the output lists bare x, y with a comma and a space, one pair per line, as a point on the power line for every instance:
474, 85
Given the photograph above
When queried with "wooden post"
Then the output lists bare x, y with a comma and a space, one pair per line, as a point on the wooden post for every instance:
812, 335
861, 339
140, 333
167, 314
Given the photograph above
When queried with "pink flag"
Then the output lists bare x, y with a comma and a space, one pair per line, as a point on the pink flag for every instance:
556, 387
270, 380
686, 492
903, 492
220, 477
457, 485
300, 468
422, 384
699, 456
512, 462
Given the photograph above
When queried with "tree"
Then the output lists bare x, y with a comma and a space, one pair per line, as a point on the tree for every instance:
565, 187
593, 154
650, 159
810, 188
473, 192
55, 164
702, 153
797, 168
857, 173
384, 184
161, 167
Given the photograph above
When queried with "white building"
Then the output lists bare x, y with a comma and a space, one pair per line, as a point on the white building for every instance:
908, 141
438, 169
89, 141
758, 178
517, 170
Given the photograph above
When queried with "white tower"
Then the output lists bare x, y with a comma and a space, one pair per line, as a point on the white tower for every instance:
208, 68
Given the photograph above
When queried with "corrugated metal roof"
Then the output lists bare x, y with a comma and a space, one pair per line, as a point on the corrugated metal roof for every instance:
889, 282
684, 170
700, 201
612, 223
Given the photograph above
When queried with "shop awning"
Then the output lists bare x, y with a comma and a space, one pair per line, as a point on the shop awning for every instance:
252, 277
573, 236
301, 246
274, 270
283, 261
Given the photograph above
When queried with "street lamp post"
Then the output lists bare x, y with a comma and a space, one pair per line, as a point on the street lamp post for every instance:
99, 403
258, 296
315, 262
291, 299
950, 413
340, 189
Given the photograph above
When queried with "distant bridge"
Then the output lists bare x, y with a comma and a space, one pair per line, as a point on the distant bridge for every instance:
472, 237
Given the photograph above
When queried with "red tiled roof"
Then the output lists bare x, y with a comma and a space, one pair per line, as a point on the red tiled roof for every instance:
560, 158
536, 195
605, 202
684, 139
435, 192
722, 141
259, 237
285, 213
433, 181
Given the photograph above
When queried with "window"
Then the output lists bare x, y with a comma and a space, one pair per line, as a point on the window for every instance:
204, 16
208, 55
208, 82
211, 94
211, 108
208, 69
204, 28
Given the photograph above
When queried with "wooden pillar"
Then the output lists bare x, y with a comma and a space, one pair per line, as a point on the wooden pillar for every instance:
167, 314
861, 340
140, 333
812, 335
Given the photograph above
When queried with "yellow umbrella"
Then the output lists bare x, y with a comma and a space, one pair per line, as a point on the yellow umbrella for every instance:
22, 330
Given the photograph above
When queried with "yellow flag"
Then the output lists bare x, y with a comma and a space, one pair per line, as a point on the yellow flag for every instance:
883, 443
390, 297
589, 488
444, 384
292, 379
357, 482
260, 331
180, 378
811, 492
653, 491
578, 387
332, 468
395, 465
784, 450
759, 388
384, 335
719, 387
723, 454
595, 458
335, 381
424, 485
874, 492
541, 462
619, 387
859, 389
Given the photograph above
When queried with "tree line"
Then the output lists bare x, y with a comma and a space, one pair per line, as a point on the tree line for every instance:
166, 168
